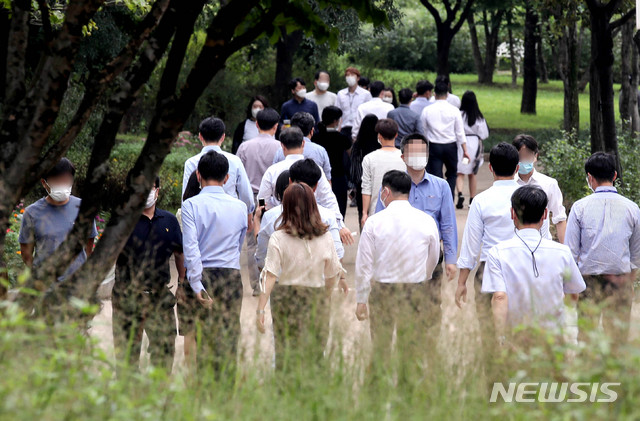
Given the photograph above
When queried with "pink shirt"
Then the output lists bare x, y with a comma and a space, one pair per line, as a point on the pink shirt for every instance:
257, 155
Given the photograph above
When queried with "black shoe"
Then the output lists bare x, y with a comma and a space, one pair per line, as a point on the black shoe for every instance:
460, 201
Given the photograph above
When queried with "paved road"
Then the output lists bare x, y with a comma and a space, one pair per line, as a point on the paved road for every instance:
459, 328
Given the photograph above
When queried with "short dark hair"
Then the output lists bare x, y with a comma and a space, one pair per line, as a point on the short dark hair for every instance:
363, 82
291, 137
211, 129
294, 82
525, 140
387, 128
441, 88
192, 188
213, 166
376, 88
529, 203
423, 86
267, 118
64, 166
405, 95
319, 72
413, 136
504, 159
398, 182
331, 114
602, 166
282, 182
304, 121
305, 171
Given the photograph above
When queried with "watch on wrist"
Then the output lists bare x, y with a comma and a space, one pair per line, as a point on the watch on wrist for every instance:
259, 312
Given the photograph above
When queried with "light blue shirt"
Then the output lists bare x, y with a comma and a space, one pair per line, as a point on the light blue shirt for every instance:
418, 104
313, 151
433, 196
237, 186
603, 233
268, 227
213, 228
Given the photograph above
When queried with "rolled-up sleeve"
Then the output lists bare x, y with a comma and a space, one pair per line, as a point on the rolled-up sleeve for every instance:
556, 207
492, 279
273, 262
471, 239
366, 175
459, 130
573, 283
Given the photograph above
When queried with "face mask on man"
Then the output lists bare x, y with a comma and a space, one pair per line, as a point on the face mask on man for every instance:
323, 86
386, 197
59, 193
387, 99
589, 184
351, 81
417, 162
255, 111
525, 167
151, 199
301, 93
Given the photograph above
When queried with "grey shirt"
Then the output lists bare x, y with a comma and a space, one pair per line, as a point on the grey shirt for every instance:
408, 122
47, 226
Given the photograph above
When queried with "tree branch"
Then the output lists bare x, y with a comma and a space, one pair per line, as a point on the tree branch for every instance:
434, 12
623, 19
46, 22
463, 16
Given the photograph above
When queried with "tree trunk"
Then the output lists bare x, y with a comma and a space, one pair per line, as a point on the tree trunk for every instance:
4, 39
567, 65
445, 37
603, 124
530, 83
512, 59
628, 77
542, 65
475, 48
285, 51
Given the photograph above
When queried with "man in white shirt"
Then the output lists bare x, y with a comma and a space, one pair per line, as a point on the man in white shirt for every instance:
443, 126
376, 106
603, 233
376, 164
424, 92
528, 275
292, 142
527, 175
321, 96
397, 254
451, 98
489, 222
350, 98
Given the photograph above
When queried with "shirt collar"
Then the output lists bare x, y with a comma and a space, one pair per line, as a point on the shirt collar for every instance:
213, 189
211, 148
377, 99
498, 183
398, 204
606, 188
521, 181
403, 106
156, 215
426, 178
294, 157
529, 234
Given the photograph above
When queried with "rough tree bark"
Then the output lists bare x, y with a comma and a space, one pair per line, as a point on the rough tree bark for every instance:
512, 53
530, 82
565, 52
629, 79
286, 48
491, 23
456, 14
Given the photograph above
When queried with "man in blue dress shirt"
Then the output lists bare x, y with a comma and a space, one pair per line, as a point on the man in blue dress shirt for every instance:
214, 225
298, 103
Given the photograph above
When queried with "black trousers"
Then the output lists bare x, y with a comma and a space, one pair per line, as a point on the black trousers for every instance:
138, 311
359, 204
410, 309
612, 301
219, 325
339, 188
300, 325
447, 155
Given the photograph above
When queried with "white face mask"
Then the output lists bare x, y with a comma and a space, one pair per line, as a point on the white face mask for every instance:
589, 184
383, 200
351, 81
322, 86
387, 99
417, 162
59, 193
151, 199
301, 93
255, 111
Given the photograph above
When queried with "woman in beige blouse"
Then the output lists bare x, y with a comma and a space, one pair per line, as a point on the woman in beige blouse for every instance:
302, 256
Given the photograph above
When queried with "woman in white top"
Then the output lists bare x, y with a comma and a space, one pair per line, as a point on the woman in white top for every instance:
302, 256
248, 129
476, 130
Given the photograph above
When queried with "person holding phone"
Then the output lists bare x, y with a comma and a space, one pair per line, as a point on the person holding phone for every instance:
214, 226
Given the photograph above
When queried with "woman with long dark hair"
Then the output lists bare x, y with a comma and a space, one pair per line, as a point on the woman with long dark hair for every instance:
475, 130
366, 142
247, 129
302, 257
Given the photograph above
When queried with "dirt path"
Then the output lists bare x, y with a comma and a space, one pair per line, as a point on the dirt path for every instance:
459, 327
